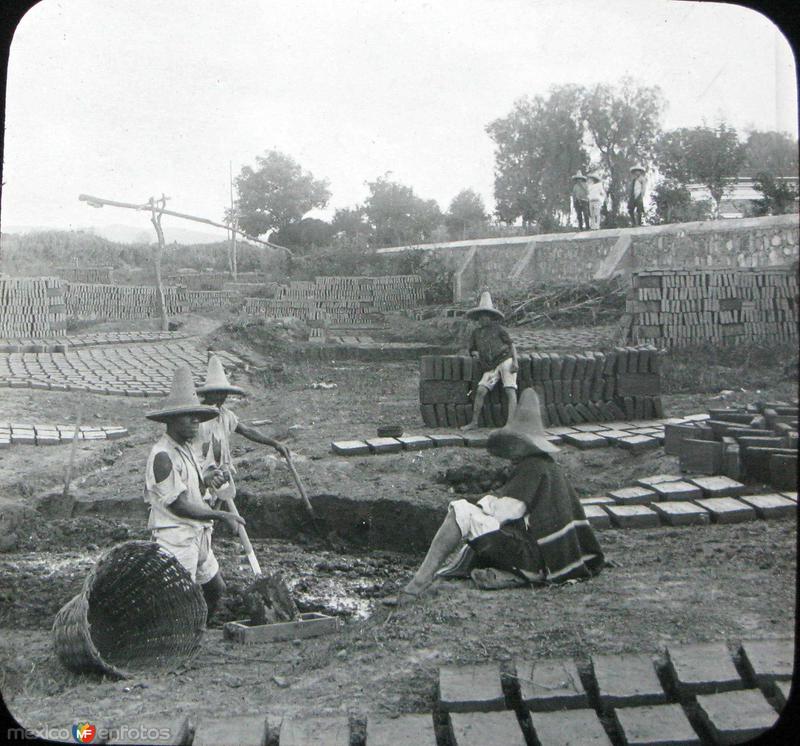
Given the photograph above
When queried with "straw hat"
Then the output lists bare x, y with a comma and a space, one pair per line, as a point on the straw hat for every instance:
526, 426
579, 175
637, 167
216, 380
485, 305
182, 399
596, 177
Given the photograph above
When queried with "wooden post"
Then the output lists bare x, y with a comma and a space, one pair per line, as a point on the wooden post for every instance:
158, 252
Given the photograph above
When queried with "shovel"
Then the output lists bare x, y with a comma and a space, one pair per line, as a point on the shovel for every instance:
315, 521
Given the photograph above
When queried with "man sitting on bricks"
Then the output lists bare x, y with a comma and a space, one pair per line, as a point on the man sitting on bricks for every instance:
496, 352
535, 532
213, 442
176, 487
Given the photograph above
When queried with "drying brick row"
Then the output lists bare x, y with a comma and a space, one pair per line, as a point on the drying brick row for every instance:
573, 388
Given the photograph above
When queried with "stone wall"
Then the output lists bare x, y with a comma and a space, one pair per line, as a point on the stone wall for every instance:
500, 264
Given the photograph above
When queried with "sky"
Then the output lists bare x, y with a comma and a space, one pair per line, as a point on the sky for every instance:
125, 99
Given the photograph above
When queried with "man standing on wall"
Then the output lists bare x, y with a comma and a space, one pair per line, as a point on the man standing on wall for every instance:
636, 194
580, 198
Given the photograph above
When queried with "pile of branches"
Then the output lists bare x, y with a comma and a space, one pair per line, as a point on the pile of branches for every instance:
594, 302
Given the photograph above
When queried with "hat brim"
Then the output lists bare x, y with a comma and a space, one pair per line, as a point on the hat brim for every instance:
636, 168
474, 313
235, 390
500, 440
203, 413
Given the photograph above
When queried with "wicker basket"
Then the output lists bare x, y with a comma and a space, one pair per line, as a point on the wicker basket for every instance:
138, 609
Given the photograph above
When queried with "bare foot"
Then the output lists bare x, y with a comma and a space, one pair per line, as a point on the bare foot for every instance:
470, 426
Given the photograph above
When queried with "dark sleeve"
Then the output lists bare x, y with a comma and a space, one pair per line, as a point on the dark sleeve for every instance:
525, 482
472, 344
505, 336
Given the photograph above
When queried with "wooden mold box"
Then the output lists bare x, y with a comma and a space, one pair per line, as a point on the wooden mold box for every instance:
310, 624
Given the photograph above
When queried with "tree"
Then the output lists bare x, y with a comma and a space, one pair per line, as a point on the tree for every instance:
397, 216
624, 122
276, 194
538, 149
772, 153
306, 234
709, 156
779, 196
674, 204
466, 213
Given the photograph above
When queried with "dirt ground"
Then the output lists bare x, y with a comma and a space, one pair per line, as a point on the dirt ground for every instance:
663, 585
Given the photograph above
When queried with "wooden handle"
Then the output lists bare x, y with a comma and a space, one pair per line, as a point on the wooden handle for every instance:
245, 540
300, 488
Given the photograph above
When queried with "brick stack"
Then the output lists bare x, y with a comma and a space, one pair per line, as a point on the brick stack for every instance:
118, 301
193, 300
32, 306
758, 443
673, 308
198, 280
340, 301
573, 388
88, 275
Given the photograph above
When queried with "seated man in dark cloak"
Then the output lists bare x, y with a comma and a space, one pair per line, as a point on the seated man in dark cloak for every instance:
535, 532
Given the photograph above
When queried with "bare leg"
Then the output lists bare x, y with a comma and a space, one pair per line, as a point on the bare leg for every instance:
480, 395
213, 591
511, 395
447, 538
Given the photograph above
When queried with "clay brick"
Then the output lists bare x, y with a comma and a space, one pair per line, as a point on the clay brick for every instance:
789, 495
755, 461
674, 434
730, 415
678, 491
167, 732
783, 470
442, 441
632, 516
350, 447
638, 443
727, 510
246, 730
679, 513
649, 482
404, 730
590, 428
659, 725
331, 731
633, 496
768, 660
428, 415
550, 685
780, 691
751, 441
384, 445
613, 436
700, 456
562, 430
705, 668
480, 729
735, 717
441, 415
638, 384
627, 681
415, 442
599, 500
569, 728
443, 392
471, 688
718, 486
585, 441
771, 506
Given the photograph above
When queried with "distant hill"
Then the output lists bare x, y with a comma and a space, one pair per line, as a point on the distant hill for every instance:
127, 234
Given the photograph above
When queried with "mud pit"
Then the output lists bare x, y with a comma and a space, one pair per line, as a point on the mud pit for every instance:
665, 585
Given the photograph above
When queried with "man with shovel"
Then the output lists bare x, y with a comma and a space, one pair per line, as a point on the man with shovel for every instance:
176, 487
213, 442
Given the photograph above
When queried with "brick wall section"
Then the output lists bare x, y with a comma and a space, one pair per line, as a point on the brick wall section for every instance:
101, 275
673, 308
499, 263
32, 306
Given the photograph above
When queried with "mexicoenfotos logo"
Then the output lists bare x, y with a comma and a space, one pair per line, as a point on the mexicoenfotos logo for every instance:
84, 732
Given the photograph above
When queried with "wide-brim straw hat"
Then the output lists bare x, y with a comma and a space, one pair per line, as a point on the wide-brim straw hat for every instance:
637, 167
579, 175
525, 426
182, 399
217, 381
486, 306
